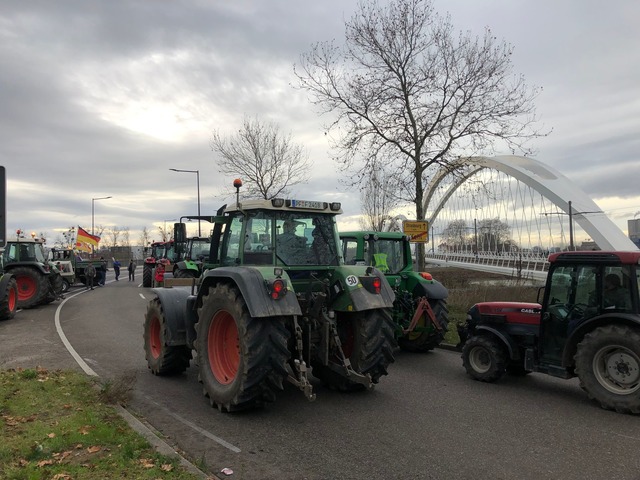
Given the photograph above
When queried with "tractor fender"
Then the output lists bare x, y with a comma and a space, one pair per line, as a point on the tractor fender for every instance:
4, 281
251, 283
36, 265
629, 319
433, 291
357, 298
179, 317
514, 352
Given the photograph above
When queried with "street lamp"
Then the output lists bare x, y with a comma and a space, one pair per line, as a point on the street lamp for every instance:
93, 201
197, 172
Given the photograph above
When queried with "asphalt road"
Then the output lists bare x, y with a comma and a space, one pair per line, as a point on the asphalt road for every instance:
425, 420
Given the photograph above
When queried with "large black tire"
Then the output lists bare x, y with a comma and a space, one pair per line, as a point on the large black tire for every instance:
184, 273
368, 341
427, 341
147, 275
9, 300
242, 360
608, 366
162, 359
56, 286
33, 286
484, 358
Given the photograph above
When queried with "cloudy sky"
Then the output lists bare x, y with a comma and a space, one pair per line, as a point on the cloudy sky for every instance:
102, 98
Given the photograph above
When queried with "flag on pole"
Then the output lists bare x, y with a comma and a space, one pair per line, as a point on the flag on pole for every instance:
84, 240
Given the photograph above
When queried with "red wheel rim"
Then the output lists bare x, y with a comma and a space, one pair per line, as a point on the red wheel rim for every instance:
155, 344
13, 299
27, 287
223, 347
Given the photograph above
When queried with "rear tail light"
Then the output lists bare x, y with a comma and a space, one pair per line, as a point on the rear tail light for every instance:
426, 276
277, 288
372, 284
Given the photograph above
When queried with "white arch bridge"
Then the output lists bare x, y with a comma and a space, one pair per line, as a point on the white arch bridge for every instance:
507, 213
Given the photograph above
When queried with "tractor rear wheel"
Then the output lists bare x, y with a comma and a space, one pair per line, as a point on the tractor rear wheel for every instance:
368, 341
242, 360
147, 275
32, 286
162, 359
608, 366
427, 340
484, 358
9, 300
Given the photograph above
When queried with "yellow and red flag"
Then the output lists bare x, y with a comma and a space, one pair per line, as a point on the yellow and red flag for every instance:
84, 240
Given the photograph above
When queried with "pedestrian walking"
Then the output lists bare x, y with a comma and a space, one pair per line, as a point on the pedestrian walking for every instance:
89, 274
102, 272
116, 268
132, 270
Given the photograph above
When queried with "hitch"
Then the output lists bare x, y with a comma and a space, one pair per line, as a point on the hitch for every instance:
300, 368
423, 307
345, 369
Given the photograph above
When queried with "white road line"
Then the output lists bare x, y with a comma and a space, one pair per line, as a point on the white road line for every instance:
66, 343
142, 296
202, 431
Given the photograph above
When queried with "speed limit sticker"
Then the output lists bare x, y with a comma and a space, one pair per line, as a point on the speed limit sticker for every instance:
352, 280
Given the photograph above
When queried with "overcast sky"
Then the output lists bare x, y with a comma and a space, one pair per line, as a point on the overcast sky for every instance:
102, 98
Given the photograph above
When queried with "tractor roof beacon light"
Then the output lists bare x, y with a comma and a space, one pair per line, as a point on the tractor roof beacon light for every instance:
277, 202
237, 183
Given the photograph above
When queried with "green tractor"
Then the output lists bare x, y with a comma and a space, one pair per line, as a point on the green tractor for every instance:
38, 280
194, 258
420, 309
277, 303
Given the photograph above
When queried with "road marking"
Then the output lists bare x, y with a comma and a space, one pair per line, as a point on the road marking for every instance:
202, 431
142, 296
66, 343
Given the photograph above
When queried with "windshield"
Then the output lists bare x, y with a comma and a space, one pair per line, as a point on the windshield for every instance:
387, 255
199, 248
281, 238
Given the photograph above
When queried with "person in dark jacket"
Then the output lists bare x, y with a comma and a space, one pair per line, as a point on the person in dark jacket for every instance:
102, 272
132, 270
89, 273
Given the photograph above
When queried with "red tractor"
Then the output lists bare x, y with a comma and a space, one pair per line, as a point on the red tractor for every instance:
587, 325
156, 251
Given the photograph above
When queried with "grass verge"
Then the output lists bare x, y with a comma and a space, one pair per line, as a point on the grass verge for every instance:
56, 425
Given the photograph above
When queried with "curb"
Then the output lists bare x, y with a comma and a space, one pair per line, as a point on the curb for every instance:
160, 445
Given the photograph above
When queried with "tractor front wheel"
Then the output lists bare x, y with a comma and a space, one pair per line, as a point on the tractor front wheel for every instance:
32, 286
484, 358
9, 300
162, 359
147, 275
185, 273
242, 360
608, 366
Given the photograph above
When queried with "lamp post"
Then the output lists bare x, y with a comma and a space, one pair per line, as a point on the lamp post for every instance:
197, 172
93, 201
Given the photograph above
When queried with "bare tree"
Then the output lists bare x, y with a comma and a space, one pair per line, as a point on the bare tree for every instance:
165, 233
407, 88
457, 235
263, 157
378, 200
145, 237
114, 235
126, 237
